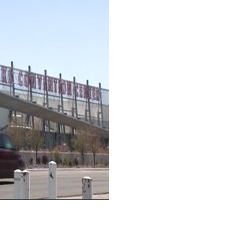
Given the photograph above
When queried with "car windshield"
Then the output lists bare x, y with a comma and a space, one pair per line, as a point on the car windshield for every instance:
6, 143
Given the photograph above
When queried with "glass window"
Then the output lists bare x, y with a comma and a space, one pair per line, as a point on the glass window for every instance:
7, 143
1, 141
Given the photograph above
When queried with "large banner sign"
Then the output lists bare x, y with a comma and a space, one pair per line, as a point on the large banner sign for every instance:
24, 80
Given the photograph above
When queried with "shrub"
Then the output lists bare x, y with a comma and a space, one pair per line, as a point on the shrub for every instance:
45, 159
66, 162
38, 161
31, 162
76, 163
70, 163
57, 157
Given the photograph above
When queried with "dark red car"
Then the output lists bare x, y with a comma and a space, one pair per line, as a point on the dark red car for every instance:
10, 158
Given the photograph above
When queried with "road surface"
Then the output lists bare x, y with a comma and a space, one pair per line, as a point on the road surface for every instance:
69, 183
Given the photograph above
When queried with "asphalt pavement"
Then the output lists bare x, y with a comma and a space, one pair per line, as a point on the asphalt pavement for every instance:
69, 183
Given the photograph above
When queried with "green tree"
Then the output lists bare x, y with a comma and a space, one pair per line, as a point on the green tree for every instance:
79, 142
35, 140
16, 133
94, 142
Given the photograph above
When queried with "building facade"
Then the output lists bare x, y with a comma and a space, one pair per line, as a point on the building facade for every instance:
82, 101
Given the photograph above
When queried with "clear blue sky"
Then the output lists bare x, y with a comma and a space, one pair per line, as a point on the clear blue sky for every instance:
68, 37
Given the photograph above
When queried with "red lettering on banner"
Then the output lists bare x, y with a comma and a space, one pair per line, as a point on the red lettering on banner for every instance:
26, 80
97, 94
80, 91
33, 81
45, 83
4, 73
50, 84
10, 79
60, 87
76, 90
20, 81
39, 77
93, 94
55, 85
63, 87
86, 92
69, 90
90, 92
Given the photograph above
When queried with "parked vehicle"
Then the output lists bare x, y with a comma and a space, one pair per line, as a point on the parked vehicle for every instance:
10, 158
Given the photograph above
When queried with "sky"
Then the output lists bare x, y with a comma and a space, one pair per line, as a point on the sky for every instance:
67, 37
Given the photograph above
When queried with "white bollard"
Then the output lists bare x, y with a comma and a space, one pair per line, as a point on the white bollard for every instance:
25, 185
17, 182
86, 188
52, 180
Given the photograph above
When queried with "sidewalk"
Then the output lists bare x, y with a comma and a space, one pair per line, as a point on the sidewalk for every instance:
99, 196
70, 169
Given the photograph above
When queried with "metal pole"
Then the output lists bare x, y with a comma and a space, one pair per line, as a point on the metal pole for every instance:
47, 98
74, 110
58, 127
12, 73
30, 83
13, 86
30, 90
88, 97
62, 103
73, 116
75, 100
44, 134
46, 81
101, 107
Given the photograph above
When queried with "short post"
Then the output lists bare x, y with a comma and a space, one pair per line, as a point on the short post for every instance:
17, 181
25, 185
86, 188
52, 180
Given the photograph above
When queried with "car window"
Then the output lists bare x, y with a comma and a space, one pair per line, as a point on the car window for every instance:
5, 142
1, 141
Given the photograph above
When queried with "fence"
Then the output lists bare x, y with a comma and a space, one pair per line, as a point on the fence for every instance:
101, 159
22, 184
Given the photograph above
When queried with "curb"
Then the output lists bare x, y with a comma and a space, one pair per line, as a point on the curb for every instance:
74, 196
69, 169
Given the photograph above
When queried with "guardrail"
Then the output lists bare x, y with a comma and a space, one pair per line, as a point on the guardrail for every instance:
22, 184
